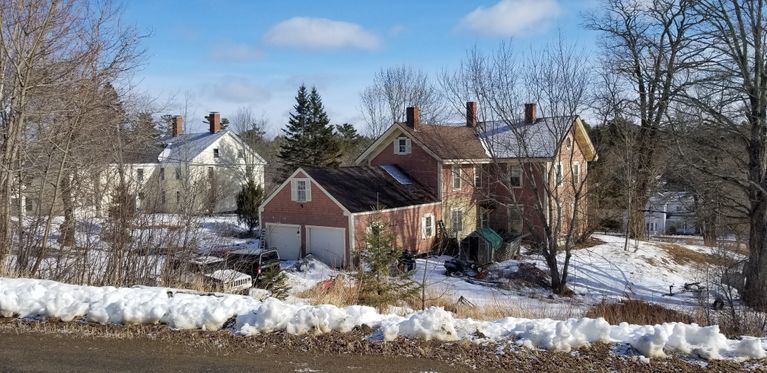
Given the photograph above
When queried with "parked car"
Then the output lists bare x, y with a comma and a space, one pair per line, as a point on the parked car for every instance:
253, 262
211, 272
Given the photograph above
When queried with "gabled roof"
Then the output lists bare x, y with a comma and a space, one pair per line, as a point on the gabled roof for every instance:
448, 141
185, 147
524, 140
367, 188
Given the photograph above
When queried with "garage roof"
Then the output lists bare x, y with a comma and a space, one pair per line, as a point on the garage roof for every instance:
369, 188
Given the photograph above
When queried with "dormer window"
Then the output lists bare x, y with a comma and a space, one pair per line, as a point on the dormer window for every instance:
215, 153
402, 146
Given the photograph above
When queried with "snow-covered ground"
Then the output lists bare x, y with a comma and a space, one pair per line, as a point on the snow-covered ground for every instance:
26, 298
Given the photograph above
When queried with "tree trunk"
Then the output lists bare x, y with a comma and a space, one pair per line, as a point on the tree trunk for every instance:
67, 237
756, 268
637, 226
708, 230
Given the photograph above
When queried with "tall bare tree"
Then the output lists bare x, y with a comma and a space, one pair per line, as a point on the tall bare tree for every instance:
392, 91
558, 79
646, 46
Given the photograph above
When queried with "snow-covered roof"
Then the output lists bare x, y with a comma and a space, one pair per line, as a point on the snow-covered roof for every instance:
524, 140
206, 260
185, 147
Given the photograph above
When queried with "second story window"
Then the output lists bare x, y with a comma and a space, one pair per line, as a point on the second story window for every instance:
178, 173
576, 173
140, 175
456, 173
300, 191
402, 146
477, 176
215, 153
162, 173
559, 173
515, 177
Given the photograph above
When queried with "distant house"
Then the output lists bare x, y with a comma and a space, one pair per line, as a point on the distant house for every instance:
671, 213
191, 172
416, 176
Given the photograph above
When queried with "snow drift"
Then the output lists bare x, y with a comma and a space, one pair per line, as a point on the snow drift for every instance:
26, 298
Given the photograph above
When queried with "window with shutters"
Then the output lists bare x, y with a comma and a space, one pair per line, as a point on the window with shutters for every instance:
300, 190
402, 146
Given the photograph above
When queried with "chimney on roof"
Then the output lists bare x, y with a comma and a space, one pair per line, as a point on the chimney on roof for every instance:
530, 113
471, 114
413, 117
214, 120
177, 124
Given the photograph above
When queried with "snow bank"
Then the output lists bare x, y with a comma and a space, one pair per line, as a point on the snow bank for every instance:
27, 298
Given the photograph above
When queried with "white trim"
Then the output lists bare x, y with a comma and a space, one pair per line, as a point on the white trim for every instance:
511, 168
408, 145
322, 226
352, 230
374, 149
424, 226
282, 225
361, 213
453, 169
575, 165
323, 190
307, 189
452, 223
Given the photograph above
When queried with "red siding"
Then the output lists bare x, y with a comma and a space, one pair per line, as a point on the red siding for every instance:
320, 211
497, 188
418, 164
404, 224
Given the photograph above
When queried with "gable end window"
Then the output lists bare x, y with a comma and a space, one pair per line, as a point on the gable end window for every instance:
402, 146
140, 174
300, 190
576, 173
216, 153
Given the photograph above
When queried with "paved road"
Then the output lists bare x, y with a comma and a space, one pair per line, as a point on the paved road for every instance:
36, 352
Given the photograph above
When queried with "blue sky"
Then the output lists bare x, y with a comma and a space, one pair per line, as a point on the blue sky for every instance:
223, 55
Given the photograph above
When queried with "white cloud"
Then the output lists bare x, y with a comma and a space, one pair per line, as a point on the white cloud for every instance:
321, 33
231, 52
236, 89
511, 17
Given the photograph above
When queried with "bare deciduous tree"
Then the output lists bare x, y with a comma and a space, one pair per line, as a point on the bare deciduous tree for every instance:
393, 90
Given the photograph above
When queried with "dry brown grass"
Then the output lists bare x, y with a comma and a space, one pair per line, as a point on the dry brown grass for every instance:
684, 256
636, 312
345, 294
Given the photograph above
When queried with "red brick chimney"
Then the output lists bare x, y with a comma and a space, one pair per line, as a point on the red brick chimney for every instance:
413, 117
214, 120
530, 113
177, 124
471, 114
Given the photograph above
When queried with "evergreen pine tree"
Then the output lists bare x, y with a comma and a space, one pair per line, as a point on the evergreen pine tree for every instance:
377, 287
310, 140
248, 199
276, 282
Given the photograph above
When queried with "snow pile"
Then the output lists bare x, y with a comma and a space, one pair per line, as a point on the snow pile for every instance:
27, 298
307, 273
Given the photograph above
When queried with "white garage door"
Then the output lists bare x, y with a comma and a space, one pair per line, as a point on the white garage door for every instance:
327, 244
284, 238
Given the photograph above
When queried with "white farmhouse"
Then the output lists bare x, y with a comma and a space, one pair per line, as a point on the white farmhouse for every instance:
671, 213
186, 172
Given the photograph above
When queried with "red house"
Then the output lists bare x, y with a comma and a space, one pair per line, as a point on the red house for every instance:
499, 175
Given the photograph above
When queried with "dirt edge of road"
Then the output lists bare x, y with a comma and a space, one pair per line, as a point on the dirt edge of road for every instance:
75, 346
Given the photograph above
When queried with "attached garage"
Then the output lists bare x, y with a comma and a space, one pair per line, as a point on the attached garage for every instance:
285, 238
328, 244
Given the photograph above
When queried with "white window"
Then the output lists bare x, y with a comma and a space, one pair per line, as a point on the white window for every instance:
215, 153
428, 226
456, 171
402, 145
515, 176
456, 219
576, 173
516, 219
559, 173
300, 191
477, 176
